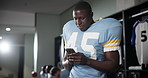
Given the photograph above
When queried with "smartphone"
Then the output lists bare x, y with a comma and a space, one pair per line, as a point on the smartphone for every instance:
70, 50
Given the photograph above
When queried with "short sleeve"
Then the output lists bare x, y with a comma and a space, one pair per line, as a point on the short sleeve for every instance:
114, 33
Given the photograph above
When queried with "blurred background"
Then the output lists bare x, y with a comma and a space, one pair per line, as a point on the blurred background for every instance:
30, 31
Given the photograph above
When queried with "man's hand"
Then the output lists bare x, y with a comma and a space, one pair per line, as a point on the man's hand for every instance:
77, 58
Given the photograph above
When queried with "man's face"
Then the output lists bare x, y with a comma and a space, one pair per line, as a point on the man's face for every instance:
83, 19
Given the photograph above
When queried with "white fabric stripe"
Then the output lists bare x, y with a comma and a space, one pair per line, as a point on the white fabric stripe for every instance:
111, 49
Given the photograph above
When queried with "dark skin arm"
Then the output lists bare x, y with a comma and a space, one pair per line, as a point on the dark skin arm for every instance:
110, 64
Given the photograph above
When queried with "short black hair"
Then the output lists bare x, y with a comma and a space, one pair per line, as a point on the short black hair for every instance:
82, 5
54, 70
48, 68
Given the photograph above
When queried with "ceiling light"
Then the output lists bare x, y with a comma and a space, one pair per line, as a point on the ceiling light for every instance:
1, 37
4, 46
8, 29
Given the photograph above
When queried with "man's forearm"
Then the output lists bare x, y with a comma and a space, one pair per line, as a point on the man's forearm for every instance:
107, 66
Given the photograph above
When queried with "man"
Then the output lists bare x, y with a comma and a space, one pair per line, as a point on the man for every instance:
96, 44
48, 68
43, 73
55, 72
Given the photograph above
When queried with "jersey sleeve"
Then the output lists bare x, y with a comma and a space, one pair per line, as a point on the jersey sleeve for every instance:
113, 41
133, 33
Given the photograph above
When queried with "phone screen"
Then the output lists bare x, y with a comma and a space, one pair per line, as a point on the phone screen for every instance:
70, 50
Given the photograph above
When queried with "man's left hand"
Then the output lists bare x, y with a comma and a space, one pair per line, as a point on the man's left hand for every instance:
77, 58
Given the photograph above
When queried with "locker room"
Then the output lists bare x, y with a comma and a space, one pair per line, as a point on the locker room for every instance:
31, 36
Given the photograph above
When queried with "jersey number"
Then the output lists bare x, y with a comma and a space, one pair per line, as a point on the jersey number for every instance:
143, 36
84, 46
